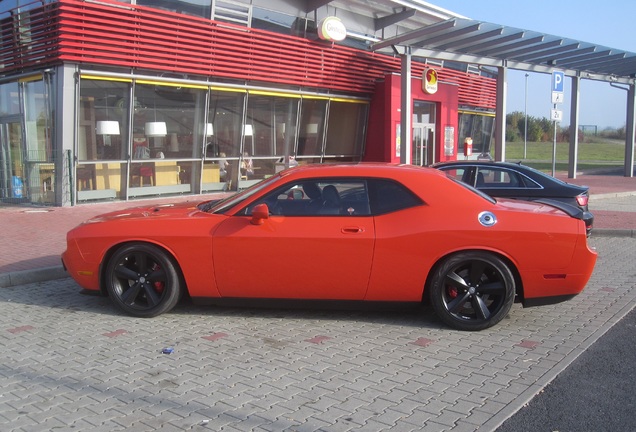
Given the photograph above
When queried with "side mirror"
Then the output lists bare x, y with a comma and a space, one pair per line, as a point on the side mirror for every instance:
259, 214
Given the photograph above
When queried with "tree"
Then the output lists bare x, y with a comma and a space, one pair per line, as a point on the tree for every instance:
539, 129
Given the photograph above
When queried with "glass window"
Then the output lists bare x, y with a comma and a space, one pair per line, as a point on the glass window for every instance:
310, 135
9, 99
225, 118
168, 122
167, 177
200, 8
270, 125
100, 180
345, 128
40, 168
502, 178
102, 140
270, 20
387, 196
103, 120
423, 112
37, 122
317, 198
478, 127
461, 174
223, 132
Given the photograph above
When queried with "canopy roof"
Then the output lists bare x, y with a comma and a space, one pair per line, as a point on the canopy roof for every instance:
429, 31
471, 41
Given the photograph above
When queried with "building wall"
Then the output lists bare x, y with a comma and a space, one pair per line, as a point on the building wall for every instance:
150, 40
74, 37
384, 118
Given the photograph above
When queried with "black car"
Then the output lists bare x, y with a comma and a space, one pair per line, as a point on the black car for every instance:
516, 181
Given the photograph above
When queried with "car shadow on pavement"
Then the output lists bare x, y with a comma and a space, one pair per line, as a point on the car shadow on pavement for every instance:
380, 314
65, 295
68, 297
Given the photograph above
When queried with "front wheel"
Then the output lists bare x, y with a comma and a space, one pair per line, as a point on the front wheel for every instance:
472, 290
142, 280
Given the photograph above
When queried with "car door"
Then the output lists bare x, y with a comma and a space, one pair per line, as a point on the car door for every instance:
307, 249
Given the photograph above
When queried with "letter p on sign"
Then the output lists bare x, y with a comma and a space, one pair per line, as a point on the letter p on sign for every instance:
557, 81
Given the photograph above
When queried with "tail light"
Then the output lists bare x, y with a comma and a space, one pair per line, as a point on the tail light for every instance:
582, 199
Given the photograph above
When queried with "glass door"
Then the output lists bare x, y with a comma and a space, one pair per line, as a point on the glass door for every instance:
12, 173
423, 148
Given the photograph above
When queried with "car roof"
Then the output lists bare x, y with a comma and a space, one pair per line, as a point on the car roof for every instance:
480, 162
363, 169
525, 169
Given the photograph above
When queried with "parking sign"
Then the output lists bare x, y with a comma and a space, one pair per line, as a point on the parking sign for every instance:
557, 81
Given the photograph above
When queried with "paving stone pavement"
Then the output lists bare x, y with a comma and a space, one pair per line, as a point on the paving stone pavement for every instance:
73, 363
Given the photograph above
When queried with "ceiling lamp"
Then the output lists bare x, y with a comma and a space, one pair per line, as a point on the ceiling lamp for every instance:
107, 127
156, 129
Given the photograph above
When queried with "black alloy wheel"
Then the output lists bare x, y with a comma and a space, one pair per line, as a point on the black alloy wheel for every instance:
142, 280
472, 290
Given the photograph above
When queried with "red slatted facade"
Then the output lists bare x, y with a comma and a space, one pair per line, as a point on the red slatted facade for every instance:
146, 39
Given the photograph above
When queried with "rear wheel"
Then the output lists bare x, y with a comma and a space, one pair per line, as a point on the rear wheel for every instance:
472, 290
142, 280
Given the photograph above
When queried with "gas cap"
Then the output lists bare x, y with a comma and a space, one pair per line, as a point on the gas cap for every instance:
487, 218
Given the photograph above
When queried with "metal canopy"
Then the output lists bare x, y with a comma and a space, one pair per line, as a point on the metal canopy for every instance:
424, 30
470, 41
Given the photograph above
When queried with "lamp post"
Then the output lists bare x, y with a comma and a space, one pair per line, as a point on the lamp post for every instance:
525, 128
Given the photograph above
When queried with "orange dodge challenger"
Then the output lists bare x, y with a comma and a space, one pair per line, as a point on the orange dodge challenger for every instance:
349, 233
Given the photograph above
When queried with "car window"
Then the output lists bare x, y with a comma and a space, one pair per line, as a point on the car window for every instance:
225, 204
387, 196
317, 197
528, 183
498, 178
475, 191
455, 173
461, 174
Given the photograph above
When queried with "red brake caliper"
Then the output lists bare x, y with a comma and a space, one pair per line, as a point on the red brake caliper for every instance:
159, 284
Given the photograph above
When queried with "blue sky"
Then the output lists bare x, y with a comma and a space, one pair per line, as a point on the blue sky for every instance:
609, 23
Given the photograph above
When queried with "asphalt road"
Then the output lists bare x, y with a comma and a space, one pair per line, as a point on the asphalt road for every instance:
597, 392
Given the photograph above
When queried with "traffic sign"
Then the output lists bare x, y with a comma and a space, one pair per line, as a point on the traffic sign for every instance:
557, 97
557, 81
556, 115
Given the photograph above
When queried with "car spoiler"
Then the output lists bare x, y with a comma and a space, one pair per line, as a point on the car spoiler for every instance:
572, 211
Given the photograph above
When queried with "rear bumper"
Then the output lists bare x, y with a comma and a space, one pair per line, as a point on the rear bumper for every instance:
560, 284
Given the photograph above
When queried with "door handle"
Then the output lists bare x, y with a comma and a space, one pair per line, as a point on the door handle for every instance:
352, 230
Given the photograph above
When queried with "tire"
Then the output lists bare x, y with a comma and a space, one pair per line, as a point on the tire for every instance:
472, 290
142, 280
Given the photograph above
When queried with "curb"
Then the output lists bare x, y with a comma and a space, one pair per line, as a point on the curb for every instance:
16, 278
612, 195
612, 232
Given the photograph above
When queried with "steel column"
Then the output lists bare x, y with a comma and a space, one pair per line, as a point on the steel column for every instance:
630, 133
574, 128
406, 108
500, 114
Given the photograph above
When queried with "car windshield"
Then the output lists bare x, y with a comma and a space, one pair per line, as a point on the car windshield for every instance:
229, 202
